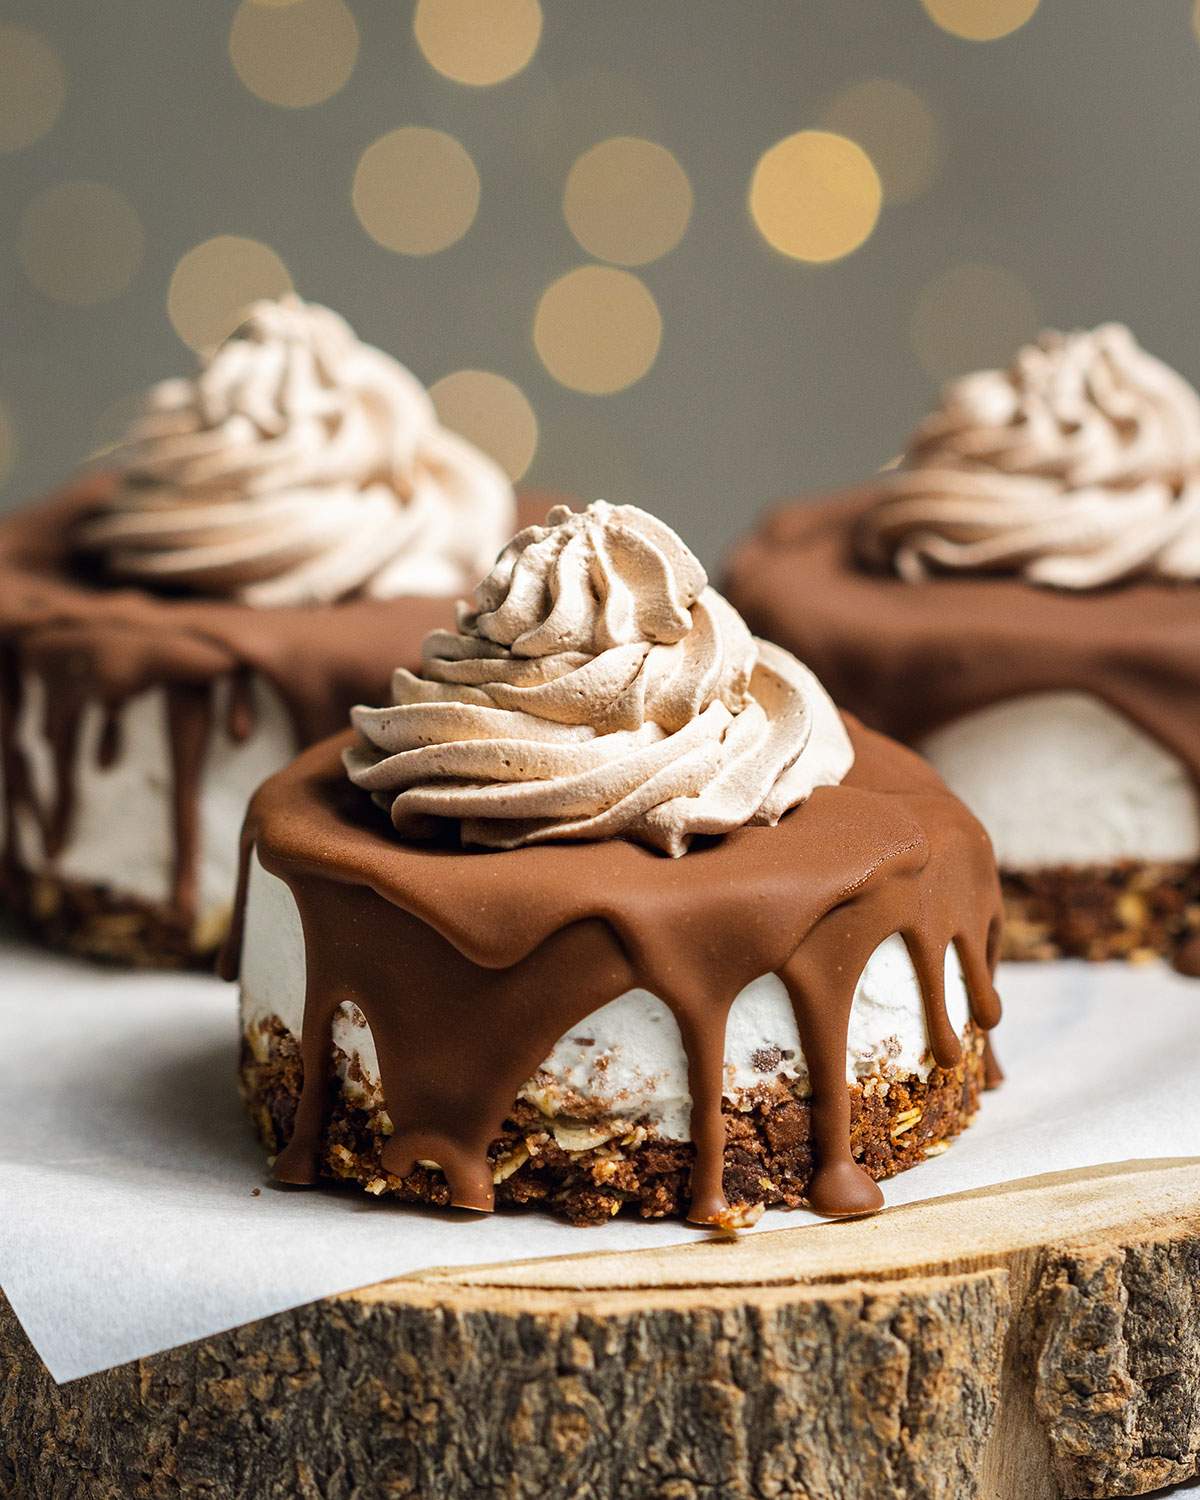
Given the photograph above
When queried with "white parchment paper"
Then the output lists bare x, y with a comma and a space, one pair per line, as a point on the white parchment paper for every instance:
129, 1221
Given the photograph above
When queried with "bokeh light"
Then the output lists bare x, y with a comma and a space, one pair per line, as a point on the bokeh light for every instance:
478, 42
597, 329
972, 317
627, 200
416, 190
8, 445
897, 130
980, 20
491, 412
554, 119
81, 242
815, 195
216, 281
32, 87
293, 54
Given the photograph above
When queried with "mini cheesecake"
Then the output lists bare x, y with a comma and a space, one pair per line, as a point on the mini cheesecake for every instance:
1018, 601
610, 908
272, 537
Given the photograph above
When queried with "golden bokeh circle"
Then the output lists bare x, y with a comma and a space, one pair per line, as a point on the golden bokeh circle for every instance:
971, 317
980, 20
815, 195
491, 412
597, 329
627, 200
478, 42
296, 54
81, 242
897, 130
416, 190
8, 445
33, 85
215, 282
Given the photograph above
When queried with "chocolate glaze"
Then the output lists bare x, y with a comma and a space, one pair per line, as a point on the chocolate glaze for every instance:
469, 966
91, 642
910, 657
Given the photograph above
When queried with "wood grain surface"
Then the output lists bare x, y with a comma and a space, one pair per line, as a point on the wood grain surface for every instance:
1026, 1342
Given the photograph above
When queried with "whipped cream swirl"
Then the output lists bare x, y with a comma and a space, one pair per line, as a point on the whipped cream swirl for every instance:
598, 688
299, 466
1076, 468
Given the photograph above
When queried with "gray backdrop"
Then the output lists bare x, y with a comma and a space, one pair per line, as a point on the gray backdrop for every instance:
1068, 160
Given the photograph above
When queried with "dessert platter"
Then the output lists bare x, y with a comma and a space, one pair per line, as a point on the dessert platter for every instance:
563, 898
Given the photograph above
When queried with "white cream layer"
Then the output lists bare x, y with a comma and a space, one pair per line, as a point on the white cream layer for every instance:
122, 834
627, 1057
1063, 779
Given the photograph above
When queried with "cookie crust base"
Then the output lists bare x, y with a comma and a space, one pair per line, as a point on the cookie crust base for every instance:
1133, 911
545, 1163
94, 922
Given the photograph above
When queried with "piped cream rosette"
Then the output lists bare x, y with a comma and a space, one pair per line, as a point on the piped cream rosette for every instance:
299, 466
599, 688
1078, 467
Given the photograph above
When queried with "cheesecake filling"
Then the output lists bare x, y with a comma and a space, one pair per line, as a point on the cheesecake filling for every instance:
67, 828
1063, 780
598, 709
625, 1063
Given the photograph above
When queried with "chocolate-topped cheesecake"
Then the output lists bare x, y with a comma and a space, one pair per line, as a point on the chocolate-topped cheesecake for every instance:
610, 907
271, 537
1019, 601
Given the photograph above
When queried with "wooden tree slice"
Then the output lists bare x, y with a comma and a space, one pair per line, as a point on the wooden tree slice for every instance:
1028, 1342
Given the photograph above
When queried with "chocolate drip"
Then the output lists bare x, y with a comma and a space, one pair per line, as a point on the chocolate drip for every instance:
469, 966
108, 748
18, 780
62, 713
821, 1000
911, 657
189, 721
239, 712
91, 642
